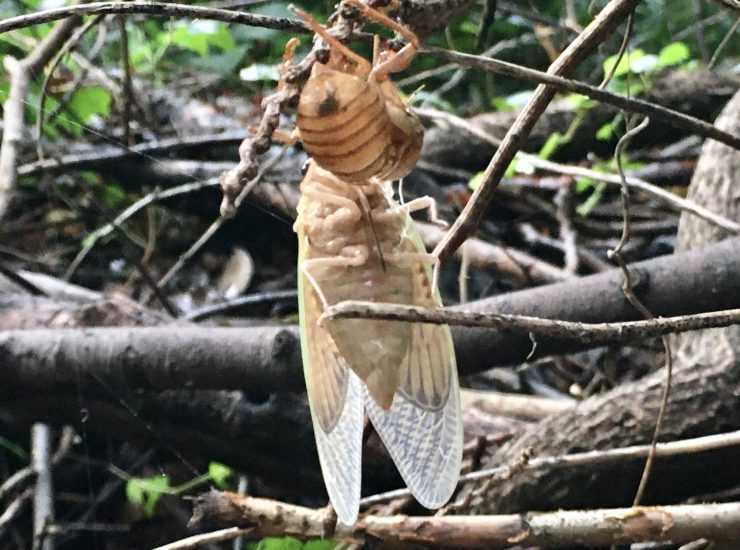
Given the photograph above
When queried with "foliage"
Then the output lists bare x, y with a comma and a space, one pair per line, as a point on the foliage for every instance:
147, 491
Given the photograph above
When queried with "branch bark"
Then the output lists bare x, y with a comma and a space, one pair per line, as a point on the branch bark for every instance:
552, 530
21, 72
265, 359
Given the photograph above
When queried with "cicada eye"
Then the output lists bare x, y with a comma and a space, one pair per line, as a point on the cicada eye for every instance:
305, 166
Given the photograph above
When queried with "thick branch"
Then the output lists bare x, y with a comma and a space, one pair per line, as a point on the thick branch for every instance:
268, 358
553, 530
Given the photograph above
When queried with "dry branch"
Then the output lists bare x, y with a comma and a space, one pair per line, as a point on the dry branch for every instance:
21, 74
268, 358
550, 530
600, 28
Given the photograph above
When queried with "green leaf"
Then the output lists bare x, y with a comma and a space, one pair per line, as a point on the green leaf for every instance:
146, 491
475, 181
511, 169
200, 35
90, 101
14, 448
114, 194
673, 54
280, 543
623, 67
551, 145
586, 206
219, 474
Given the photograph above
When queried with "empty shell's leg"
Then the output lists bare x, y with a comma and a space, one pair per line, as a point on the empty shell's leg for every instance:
401, 59
316, 27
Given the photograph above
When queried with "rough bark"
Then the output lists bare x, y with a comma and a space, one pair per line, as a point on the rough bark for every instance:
266, 359
704, 397
698, 93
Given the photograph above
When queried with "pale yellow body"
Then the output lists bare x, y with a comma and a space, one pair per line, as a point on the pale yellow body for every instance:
356, 243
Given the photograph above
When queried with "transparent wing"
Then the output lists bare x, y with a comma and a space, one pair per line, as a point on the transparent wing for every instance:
425, 444
335, 398
422, 430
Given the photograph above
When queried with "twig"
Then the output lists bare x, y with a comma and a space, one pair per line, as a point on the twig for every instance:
146, 150
564, 212
589, 458
20, 73
40, 111
206, 538
725, 41
143, 202
156, 9
208, 233
127, 87
549, 529
18, 478
43, 501
599, 29
661, 196
629, 294
583, 332
639, 106
620, 53
251, 299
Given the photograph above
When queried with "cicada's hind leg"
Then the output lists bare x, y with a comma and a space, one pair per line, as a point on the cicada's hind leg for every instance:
401, 59
335, 44
310, 264
422, 203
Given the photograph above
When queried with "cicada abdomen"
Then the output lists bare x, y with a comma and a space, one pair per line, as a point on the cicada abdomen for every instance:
351, 119
355, 243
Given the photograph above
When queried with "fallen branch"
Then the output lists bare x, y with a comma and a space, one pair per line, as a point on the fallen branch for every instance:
550, 530
264, 359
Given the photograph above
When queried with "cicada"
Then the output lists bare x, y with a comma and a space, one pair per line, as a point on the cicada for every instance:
355, 242
351, 118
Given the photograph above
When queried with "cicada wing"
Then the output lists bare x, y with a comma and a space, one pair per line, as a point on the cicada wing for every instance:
425, 443
336, 401
422, 430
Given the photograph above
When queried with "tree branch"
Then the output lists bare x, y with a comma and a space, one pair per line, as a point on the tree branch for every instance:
599, 29
265, 359
556, 529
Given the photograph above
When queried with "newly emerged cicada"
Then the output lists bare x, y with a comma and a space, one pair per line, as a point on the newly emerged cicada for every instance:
356, 243
351, 118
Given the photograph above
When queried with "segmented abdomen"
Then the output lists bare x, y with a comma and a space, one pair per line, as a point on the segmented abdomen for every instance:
345, 127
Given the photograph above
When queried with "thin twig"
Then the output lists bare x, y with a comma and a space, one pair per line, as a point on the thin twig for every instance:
127, 87
589, 458
40, 111
523, 324
197, 245
43, 501
620, 53
661, 196
639, 106
156, 9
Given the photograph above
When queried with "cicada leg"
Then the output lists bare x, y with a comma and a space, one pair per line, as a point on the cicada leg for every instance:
335, 261
316, 27
402, 58
422, 203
